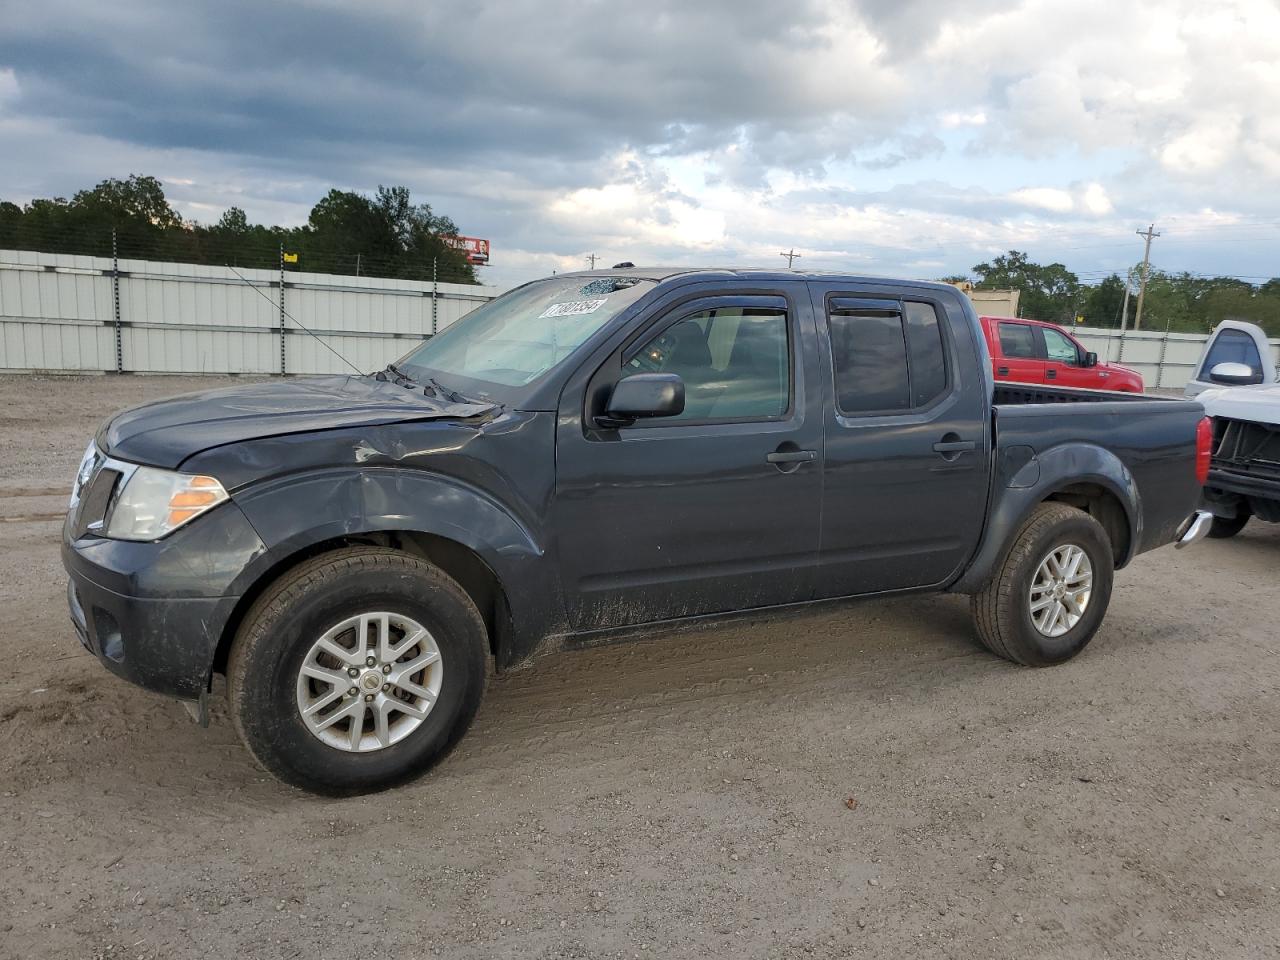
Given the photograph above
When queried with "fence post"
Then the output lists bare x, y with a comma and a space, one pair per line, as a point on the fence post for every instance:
115, 300
1164, 347
435, 287
282, 309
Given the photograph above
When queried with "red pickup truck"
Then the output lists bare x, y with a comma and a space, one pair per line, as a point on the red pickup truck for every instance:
1029, 351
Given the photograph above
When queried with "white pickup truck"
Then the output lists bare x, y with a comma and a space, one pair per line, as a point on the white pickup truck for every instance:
1236, 380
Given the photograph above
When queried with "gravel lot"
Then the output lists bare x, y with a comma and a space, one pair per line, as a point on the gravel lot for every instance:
860, 782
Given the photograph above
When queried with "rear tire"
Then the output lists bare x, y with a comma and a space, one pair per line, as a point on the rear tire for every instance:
1011, 613
304, 640
1223, 527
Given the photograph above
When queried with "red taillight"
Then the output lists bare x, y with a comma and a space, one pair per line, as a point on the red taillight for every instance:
1204, 449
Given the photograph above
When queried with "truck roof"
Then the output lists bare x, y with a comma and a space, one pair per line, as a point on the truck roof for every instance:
748, 273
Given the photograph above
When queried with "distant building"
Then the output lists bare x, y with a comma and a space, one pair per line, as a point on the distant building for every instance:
991, 303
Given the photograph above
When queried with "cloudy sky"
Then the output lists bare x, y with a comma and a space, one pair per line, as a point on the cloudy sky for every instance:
899, 137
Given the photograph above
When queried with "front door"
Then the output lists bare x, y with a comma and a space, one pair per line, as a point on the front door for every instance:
1064, 362
713, 510
907, 440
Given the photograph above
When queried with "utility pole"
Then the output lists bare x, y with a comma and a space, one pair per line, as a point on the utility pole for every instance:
1150, 234
790, 255
592, 258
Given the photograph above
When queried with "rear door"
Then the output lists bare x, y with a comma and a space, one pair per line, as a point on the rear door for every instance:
906, 471
1064, 361
713, 510
1022, 358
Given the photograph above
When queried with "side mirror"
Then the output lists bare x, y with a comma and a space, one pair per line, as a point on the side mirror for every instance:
643, 395
1090, 359
1234, 374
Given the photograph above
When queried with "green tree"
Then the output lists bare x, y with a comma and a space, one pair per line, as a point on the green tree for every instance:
1047, 292
1103, 301
383, 235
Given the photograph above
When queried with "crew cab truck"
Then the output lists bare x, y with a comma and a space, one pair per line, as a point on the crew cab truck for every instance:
1030, 351
584, 456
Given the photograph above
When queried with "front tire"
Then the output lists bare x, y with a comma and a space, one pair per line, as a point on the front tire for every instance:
356, 671
1050, 593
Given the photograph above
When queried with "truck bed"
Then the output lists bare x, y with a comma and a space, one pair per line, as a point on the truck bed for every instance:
1153, 437
1011, 394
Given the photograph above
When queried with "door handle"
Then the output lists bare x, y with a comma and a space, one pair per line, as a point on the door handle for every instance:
1051, 374
792, 456
1002, 371
954, 446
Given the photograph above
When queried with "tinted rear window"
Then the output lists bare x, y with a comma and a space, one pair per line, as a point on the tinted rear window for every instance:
1017, 340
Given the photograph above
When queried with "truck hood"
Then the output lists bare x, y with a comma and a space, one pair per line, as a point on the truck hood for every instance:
166, 432
1258, 404
1119, 368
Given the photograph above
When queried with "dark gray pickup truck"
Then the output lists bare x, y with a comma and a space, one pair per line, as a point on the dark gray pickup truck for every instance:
586, 455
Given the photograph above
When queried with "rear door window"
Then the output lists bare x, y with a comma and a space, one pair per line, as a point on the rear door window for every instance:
886, 360
1017, 340
1233, 346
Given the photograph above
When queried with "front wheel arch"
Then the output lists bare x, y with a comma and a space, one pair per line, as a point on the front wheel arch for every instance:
456, 560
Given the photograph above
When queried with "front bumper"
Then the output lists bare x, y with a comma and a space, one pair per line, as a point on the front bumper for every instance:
154, 613
163, 645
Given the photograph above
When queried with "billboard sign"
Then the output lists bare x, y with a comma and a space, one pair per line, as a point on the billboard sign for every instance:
476, 250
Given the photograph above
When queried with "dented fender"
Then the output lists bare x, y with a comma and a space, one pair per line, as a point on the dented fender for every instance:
294, 513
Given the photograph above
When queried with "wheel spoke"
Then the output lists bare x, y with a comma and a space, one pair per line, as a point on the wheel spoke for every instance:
414, 690
335, 677
1041, 604
335, 693
410, 667
411, 639
408, 709
381, 625
357, 724
382, 722
353, 657
337, 715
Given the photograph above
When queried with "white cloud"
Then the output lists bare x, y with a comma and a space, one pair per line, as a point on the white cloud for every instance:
1044, 198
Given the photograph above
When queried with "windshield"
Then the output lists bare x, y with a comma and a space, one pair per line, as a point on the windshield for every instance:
515, 339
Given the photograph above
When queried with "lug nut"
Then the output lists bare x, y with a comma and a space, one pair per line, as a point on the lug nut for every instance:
370, 661
386, 686
353, 672
386, 668
368, 698
352, 692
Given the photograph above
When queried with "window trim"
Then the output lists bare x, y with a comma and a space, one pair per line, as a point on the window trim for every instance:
683, 310
1037, 341
1044, 331
869, 303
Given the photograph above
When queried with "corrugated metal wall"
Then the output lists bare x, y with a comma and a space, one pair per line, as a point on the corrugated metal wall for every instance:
58, 312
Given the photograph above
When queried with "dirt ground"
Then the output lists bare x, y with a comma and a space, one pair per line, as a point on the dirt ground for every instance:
858, 782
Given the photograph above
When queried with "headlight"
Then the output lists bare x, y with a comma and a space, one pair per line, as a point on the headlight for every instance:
154, 503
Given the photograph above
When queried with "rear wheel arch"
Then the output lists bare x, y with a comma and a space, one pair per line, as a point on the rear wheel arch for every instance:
458, 561
1107, 508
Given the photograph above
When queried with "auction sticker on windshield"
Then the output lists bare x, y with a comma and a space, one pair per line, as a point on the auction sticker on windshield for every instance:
573, 308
